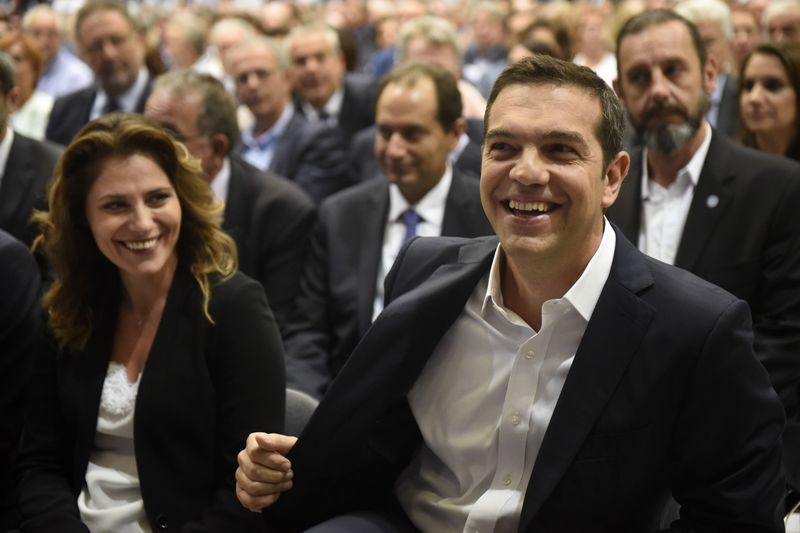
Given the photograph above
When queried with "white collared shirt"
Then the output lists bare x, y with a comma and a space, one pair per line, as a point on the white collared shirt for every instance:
716, 98
332, 107
127, 101
431, 212
260, 151
221, 182
485, 398
664, 209
5, 148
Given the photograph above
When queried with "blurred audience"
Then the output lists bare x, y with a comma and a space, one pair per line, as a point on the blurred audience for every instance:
712, 18
486, 54
746, 34
592, 45
781, 20
324, 91
63, 73
311, 154
111, 43
32, 106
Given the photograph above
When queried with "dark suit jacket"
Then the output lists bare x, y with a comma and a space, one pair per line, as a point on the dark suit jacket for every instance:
364, 165
24, 185
19, 325
664, 397
71, 112
203, 390
728, 117
742, 234
313, 156
337, 291
271, 220
358, 104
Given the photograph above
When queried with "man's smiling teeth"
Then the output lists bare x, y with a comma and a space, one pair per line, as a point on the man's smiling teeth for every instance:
141, 245
529, 206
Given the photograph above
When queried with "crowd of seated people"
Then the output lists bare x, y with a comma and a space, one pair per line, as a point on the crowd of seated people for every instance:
201, 204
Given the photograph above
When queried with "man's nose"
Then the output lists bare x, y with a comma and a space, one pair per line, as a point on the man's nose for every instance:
530, 168
659, 87
395, 146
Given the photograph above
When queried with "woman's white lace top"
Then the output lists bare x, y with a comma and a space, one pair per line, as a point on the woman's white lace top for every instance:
111, 500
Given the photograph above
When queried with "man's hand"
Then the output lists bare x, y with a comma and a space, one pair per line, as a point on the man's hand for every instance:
264, 471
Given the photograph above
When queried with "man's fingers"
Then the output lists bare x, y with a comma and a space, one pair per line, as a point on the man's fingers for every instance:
269, 469
275, 442
256, 495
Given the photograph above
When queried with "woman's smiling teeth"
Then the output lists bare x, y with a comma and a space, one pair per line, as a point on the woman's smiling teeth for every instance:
529, 208
141, 245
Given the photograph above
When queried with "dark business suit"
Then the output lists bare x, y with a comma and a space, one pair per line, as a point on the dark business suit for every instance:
337, 290
364, 164
313, 156
271, 220
741, 233
19, 325
358, 104
728, 115
23, 187
203, 389
664, 397
71, 112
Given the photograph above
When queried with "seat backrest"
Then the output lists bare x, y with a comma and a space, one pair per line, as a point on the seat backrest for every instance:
299, 408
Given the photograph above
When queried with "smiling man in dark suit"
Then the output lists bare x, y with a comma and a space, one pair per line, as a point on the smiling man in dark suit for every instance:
269, 217
701, 202
361, 229
26, 165
109, 41
559, 382
281, 140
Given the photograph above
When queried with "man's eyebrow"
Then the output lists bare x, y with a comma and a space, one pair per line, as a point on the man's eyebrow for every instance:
571, 137
566, 136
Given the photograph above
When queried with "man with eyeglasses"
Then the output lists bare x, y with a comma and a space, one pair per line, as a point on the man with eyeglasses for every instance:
109, 42
269, 218
311, 154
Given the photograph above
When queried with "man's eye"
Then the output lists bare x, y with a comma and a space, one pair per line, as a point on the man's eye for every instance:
561, 151
499, 147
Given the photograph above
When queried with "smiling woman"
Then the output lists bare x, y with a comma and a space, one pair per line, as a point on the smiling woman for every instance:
159, 345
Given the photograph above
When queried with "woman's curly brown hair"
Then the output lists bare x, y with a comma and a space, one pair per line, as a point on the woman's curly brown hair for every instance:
86, 282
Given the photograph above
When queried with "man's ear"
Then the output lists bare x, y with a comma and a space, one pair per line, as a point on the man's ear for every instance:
710, 74
615, 175
458, 128
220, 145
13, 98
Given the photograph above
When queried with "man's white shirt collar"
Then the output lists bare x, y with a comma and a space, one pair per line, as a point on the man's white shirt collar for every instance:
221, 182
127, 101
582, 295
5, 149
332, 107
430, 208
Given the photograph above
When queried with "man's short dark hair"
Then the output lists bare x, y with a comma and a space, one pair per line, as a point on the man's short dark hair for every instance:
8, 73
546, 70
217, 110
657, 17
448, 97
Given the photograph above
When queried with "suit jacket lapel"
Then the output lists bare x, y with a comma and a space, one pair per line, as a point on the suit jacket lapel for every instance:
369, 237
619, 321
17, 179
711, 198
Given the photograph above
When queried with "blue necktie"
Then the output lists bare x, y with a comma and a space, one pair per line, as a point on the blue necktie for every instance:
410, 219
